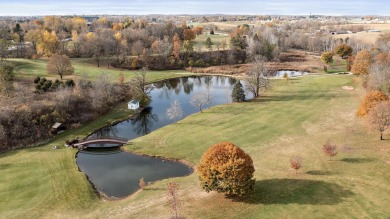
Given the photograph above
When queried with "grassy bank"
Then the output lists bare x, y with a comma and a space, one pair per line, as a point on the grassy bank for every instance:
294, 119
29, 69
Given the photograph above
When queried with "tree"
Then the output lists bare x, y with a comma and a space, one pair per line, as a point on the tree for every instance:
227, 169
188, 34
175, 111
7, 76
48, 43
369, 101
296, 163
176, 46
327, 57
141, 88
379, 117
258, 77
59, 64
199, 100
198, 30
361, 63
142, 183
121, 78
173, 199
208, 43
330, 150
238, 94
343, 50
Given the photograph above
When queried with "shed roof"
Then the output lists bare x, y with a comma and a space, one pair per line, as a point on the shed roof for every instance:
56, 125
134, 102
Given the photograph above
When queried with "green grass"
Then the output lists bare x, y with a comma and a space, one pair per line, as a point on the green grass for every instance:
295, 118
216, 39
29, 69
338, 65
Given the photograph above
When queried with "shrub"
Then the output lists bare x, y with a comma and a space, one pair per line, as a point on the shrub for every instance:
227, 169
296, 163
37, 79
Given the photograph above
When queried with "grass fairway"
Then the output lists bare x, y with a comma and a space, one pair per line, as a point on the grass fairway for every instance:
29, 69
295, 118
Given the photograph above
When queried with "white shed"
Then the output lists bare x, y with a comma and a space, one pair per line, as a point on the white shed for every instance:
134, 104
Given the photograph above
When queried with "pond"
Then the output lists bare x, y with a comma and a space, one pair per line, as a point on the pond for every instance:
117, 173
280, 74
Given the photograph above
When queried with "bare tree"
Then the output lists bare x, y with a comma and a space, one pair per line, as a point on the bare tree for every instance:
330, 150
296, 163
379, 117
258, 77
175, 111
142, 183
199, 100
59, 64
173, 199
139, 82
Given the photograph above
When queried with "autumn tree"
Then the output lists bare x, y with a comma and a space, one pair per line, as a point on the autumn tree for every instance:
175, 111
7, 76
176, 46
296, 163
227, 169
327, 57
361, 63
379, 117
198, 30
48, 43
369, 101
173, 199
238, 93
329, 150
343, 50
258, 77
59, 64
188, 34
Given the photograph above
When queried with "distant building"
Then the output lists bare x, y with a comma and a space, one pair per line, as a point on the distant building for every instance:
58, 128
133, 105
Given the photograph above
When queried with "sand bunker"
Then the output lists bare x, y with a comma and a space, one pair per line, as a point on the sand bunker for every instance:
348, 88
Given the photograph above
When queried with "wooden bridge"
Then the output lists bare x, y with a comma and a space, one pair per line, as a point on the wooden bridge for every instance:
104, 142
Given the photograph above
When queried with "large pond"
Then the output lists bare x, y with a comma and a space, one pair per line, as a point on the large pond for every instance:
117, 173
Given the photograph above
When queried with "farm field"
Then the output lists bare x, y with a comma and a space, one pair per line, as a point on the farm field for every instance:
294, 119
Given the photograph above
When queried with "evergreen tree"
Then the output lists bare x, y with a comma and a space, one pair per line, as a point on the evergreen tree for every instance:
238, 94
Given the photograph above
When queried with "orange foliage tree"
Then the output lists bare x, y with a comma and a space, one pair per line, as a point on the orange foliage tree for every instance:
361, 63
176, 46
227, 169
198, 30
370, 100
188, 34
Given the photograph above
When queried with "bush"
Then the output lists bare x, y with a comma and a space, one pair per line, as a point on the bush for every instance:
37, 79
227, 169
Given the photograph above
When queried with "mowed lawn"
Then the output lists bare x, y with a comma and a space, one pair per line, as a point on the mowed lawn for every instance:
85, 67
294, 119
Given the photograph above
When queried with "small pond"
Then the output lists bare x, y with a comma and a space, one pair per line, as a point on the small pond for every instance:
117, 173
280, 74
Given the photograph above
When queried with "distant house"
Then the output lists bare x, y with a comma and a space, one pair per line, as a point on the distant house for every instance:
134, 104
373, 31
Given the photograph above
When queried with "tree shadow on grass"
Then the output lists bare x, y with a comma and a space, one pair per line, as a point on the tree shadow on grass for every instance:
320, 173
296, 191
358, 160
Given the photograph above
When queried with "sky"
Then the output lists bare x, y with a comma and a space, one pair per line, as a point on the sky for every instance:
138, 7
